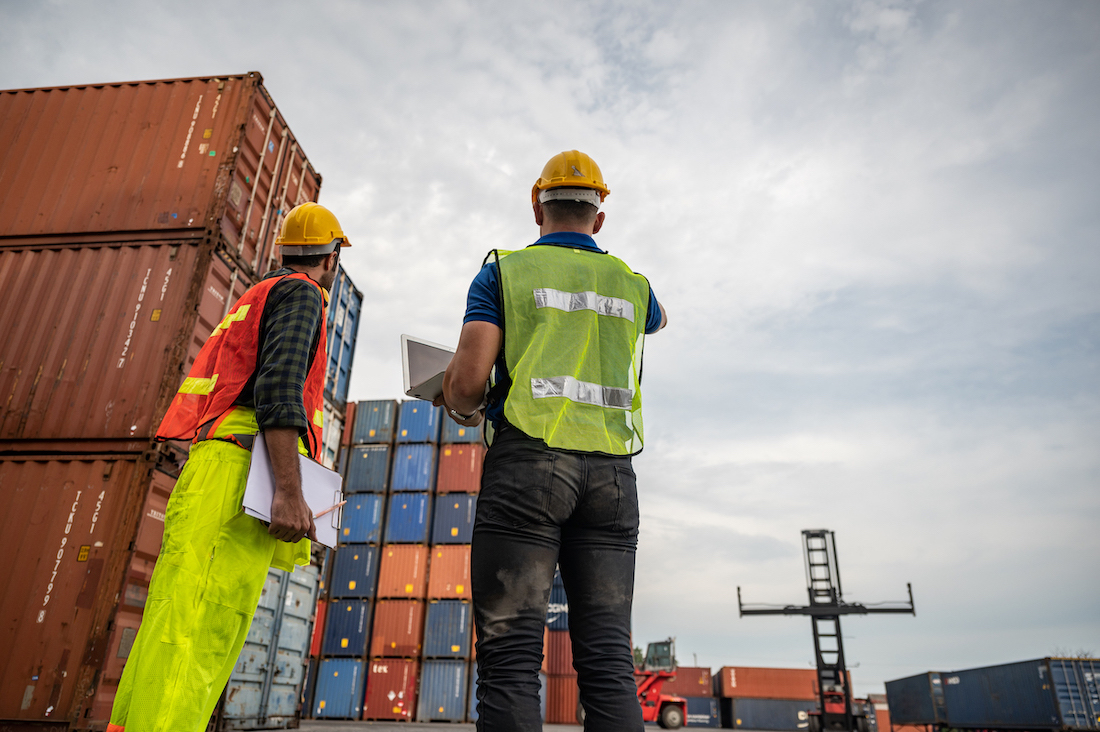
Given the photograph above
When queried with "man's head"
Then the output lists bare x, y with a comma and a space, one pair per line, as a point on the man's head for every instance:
568, 194
311, 239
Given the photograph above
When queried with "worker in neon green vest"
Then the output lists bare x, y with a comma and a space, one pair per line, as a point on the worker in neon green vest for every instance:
557, 330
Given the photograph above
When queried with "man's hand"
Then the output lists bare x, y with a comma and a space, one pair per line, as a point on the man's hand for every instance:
291, 517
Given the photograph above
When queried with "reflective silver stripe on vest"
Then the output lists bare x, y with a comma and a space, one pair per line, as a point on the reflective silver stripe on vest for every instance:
570, 302
582, 391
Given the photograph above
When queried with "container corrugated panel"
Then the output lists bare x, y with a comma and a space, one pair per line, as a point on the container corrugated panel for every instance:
917, 699
374, 421
557, 612
766, 683
408, 519
690, 681
339, 693
472, 714
404, 572
453, 522
391, 689
413, 467
345, 304
460, 468
447, 629
347, 629
368, 469
702, 711
354, 571
1011, 696
562, 695
398, 628
418, 421
442, 691
454, 432
449, 576
155, 159
767, 714
361, 520
349, 424
1077, 691
559, 654
332, 433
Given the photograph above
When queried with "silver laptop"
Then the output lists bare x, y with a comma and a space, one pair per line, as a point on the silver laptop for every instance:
424, 363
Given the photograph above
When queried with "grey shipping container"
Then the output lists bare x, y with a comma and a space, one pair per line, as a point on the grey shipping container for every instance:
367, 469
1047, 693
916, 699
443, 686
702, 711
767, 714
374, 421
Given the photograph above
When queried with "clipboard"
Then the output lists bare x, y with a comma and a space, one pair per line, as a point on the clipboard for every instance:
321, 488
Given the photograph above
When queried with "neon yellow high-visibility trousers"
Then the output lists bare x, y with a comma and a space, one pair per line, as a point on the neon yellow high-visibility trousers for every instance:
202, 596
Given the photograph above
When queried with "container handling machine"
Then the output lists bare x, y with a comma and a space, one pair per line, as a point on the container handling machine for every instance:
669, 712
835, 709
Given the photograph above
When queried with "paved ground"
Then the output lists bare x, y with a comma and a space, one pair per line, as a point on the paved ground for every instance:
319, 725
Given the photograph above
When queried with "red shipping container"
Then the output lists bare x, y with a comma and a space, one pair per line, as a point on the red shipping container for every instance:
460, 468
562, 696
450, 572
398, 628
349, 424
690, 681
403, 572
318, 629
738, 682
391, 689
559, 654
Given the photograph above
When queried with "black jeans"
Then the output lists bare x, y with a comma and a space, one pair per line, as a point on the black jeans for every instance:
539, 507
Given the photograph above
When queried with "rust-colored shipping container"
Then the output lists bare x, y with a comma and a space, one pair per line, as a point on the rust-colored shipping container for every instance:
735, 682
460, 468
318, 629
398, 628
403, 573
449, 576
559, 654
349, 423
690, 681
562, 695
391, 689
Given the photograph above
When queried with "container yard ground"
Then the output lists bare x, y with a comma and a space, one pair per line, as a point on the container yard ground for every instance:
325, 725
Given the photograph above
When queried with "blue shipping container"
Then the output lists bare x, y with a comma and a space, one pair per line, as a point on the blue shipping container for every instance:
557, 612
454, 518
345, 305
407, 521
766, 714
916, 699
354, 571
442, 691
368, 469
339, 693
702, 711
447, 629
473, 715
418, 421
347, 628
413, 468
374, 421
1042, 694
361, 522
454, 432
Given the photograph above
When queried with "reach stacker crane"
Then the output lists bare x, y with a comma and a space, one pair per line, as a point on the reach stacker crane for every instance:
835, 713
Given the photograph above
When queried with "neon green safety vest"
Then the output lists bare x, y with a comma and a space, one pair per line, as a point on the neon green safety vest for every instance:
574, 327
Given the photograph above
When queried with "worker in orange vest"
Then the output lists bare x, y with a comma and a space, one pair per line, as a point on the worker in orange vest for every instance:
261, 369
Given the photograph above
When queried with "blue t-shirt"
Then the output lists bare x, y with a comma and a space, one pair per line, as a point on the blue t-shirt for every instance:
483, 301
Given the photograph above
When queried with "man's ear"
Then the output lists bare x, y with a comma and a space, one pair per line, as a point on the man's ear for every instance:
331, 260
538, 213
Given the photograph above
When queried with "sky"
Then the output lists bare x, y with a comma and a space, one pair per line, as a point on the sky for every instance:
873, 224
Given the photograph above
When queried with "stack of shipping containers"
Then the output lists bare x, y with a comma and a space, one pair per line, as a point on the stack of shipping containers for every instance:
132, 216
562, 693
695, 684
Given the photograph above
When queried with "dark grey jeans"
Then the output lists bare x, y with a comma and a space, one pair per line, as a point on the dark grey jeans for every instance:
539, 507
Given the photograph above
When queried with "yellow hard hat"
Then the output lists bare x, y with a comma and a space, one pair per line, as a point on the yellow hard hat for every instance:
311, 229
571, 169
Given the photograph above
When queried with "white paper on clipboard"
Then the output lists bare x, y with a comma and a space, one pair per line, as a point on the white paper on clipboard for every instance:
321, 488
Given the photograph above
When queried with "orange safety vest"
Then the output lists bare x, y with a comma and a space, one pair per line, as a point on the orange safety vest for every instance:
226, 362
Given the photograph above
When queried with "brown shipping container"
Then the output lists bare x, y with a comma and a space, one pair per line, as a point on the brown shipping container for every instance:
403, 573
690, 681
736, 682
559, 654
460, 468
398, 628
562, 696
391, 689
449, 577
